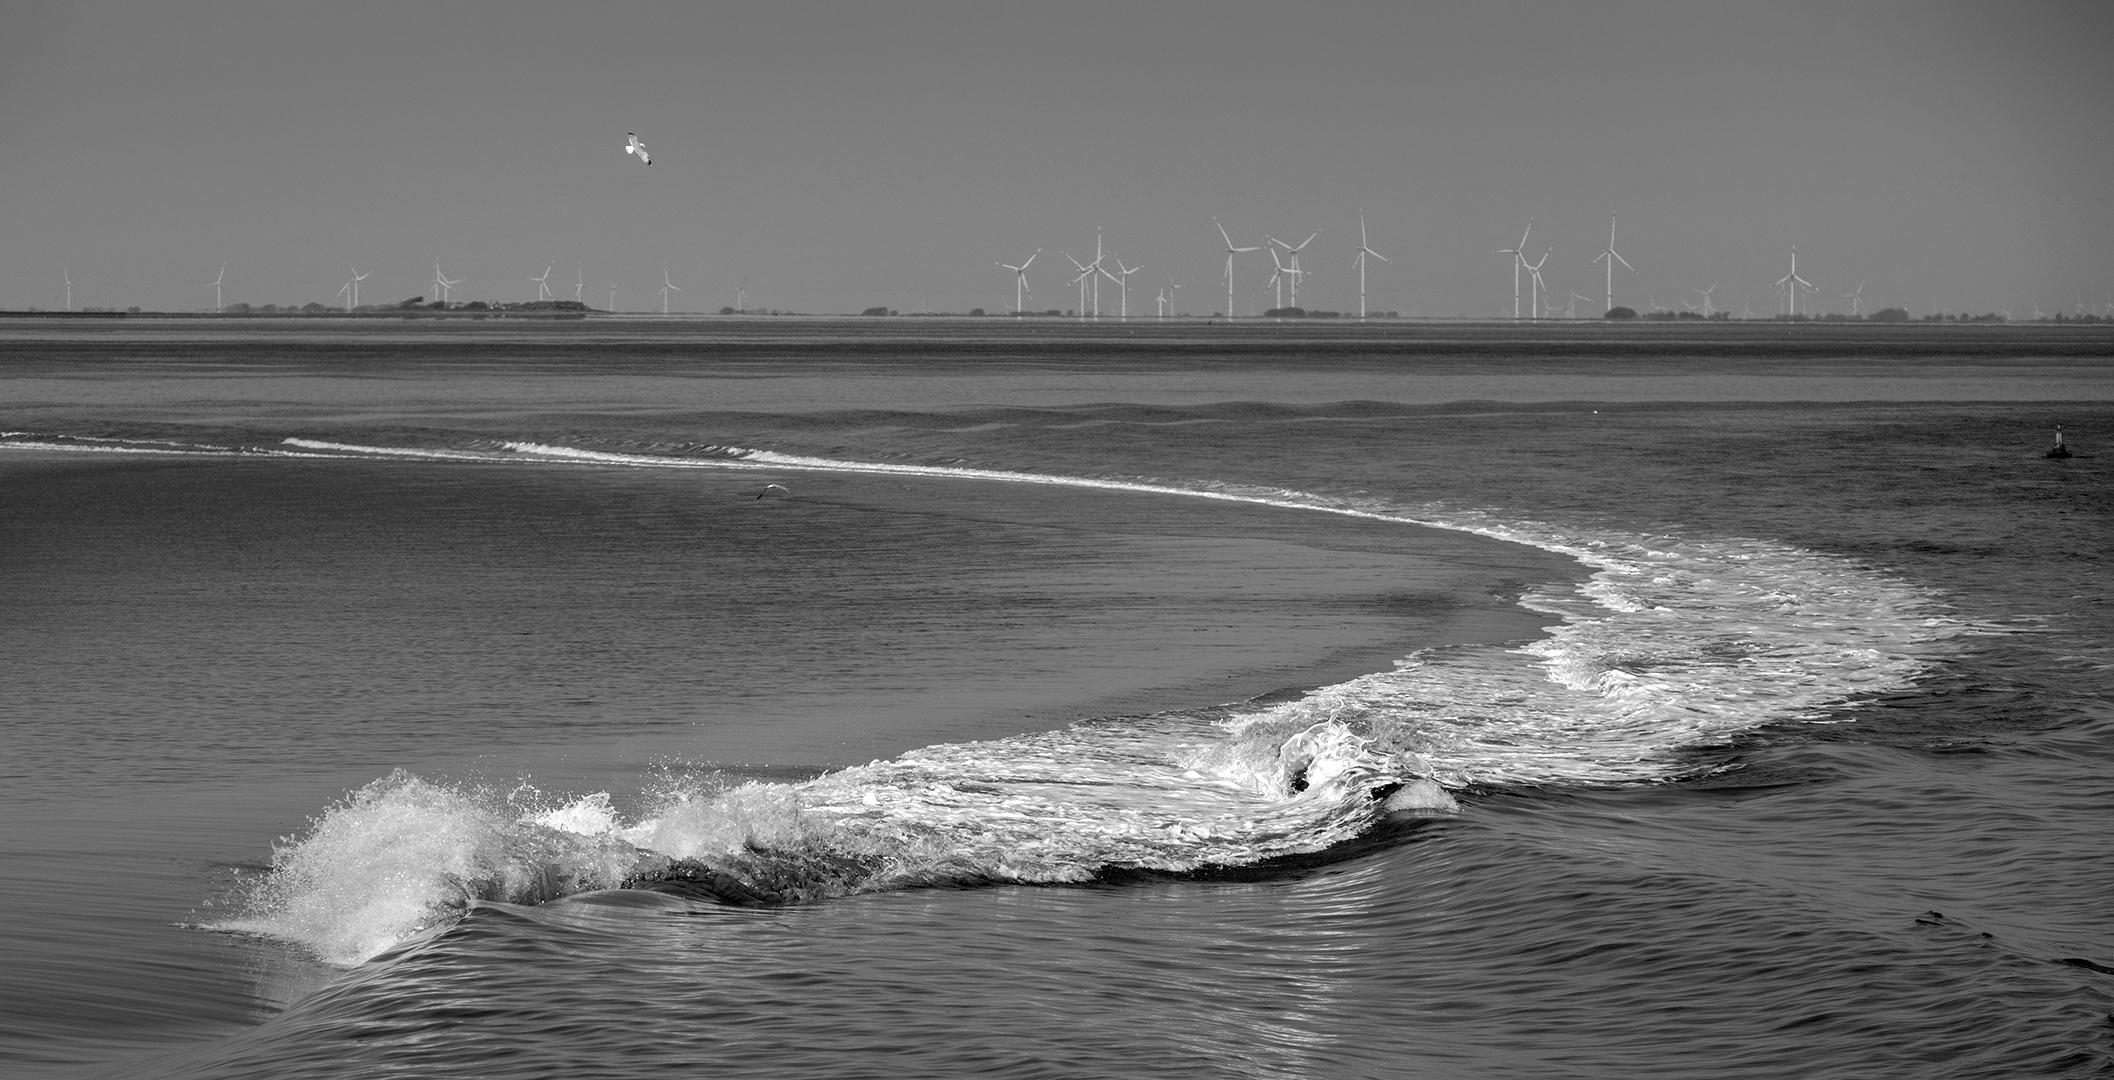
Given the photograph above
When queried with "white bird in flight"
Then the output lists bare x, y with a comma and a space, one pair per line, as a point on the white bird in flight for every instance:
638, 148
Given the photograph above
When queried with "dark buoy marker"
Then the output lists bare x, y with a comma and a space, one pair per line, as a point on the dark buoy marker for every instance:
2060, 450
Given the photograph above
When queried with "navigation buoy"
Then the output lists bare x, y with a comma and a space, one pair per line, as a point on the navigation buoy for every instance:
2060, 450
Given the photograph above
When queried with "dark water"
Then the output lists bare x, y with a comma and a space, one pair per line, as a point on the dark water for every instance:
450, 704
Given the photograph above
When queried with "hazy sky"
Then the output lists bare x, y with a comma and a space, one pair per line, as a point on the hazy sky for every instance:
848, 155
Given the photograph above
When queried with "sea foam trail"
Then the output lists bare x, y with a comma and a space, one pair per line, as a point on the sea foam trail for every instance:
1669, 645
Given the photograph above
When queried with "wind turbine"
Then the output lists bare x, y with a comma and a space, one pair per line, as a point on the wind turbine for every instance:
543, 290
1790, 283
612, 296
1277, 279
1101, 271
1856, 300
1519, 259
1612, 257
216, 287
1364, 250
1085, 272
666, 285
1123, 283
741, 296
1535, 284
345, 291
1570, 310
442, 283
69, 285
1167, 296
357, 277
579, 284
1297, 273
1231, 251
1707, 309
1020, 279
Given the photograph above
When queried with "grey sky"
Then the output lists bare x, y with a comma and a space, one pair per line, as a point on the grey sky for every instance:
849, 155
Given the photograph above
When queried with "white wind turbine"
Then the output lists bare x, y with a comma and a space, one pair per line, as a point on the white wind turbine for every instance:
1277, 280
1519, 259
741, 296
1293, 253
1534, 283
357, 277
1231, 251
1020, 279
1167, 296
442, 283
579, 285
345, 291
1085, 272
1856, 300
1123, 283
1364, 250
1707, 309
215, 283
1790, 284
69, 285
1099, 271
667, 285
1612, 257
612, 296
543, 289
1570, 310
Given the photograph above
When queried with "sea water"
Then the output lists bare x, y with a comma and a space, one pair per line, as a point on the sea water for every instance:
1101, 701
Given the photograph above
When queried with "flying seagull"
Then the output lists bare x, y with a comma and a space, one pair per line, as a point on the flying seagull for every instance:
638, 148
769, 488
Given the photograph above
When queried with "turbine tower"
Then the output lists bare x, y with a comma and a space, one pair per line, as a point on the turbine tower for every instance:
1707, 309
357, 277
1020, 279
1277, 280
1856, 300
579, 285
666, 285
1612, 257
216, 287
1231, 251
1364, 250
741, 296
612, 296
345, 291
543, 289
69, 285
1519, 260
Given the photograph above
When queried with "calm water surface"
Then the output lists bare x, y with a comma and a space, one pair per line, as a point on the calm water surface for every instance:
1090, 704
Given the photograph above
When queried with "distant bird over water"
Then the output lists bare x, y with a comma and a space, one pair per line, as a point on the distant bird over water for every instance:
638, 148
773, 489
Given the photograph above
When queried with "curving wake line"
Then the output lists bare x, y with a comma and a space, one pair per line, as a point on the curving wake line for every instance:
1671, 644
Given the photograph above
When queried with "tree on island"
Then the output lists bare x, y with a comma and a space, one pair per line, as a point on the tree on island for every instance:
1619, 312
